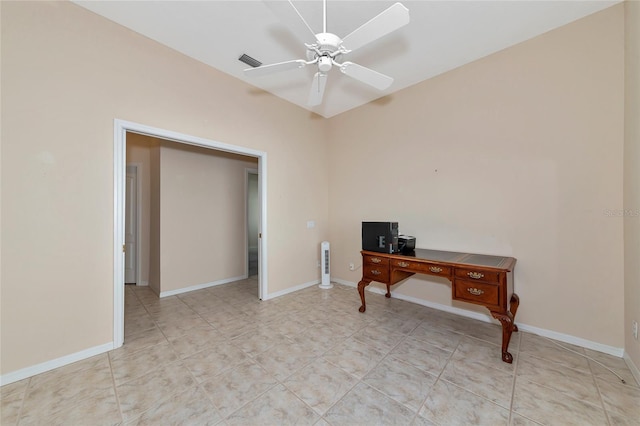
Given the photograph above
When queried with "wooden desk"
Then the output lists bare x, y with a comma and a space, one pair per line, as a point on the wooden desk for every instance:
475, 278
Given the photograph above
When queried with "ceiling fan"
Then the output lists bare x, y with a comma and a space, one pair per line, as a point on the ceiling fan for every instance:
328, 49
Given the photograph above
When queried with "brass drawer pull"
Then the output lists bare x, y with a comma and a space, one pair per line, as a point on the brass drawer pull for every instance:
403, 264
435, 269
375, 272
375, 260
475, 275
475, 291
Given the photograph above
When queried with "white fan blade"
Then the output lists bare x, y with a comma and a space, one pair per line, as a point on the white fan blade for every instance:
388, 21
289, 15
366, 75
273, 68
317, 88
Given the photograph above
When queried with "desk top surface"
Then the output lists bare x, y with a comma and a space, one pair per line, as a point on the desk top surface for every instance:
484, 260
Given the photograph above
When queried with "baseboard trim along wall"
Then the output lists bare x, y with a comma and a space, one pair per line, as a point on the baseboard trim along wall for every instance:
18, 375
566, 338
201, 286
290, 290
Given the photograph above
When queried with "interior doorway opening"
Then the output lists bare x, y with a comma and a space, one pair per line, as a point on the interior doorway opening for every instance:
120, 144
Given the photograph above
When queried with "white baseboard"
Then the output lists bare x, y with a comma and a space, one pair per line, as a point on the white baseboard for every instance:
290, 290
566, 338
18, 375
143, 284
201, 286
634, 368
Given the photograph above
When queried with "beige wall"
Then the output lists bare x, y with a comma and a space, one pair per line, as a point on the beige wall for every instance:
632, 178
519, 154
155, 277
66, 74
139, 152
202, 216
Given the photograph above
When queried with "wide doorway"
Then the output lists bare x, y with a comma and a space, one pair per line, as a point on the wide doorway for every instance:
184, 184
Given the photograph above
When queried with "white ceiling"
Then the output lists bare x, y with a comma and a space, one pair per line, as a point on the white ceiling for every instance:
441, 36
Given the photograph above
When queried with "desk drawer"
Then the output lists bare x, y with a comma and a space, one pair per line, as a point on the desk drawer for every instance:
375, 260
376, 272
478, 275
476, 292
421, 267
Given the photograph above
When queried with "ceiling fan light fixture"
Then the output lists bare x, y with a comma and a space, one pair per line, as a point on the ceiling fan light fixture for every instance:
324, 64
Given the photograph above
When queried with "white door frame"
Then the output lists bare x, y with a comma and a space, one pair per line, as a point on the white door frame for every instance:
121, 127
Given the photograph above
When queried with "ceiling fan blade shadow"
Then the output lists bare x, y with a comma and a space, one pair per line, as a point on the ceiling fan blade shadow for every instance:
317, 89
273, 68
366, 75
386, 22
290, 16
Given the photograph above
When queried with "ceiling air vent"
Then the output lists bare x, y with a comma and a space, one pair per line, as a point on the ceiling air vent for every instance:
249, 60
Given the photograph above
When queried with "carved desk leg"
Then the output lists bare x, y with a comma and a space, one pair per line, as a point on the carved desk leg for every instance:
506, 319
513, 308
388, 295
361, 285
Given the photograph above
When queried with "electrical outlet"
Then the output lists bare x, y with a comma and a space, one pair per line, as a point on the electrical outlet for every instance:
634, 327
352, 267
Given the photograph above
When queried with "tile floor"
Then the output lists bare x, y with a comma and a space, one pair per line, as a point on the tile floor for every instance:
219, 356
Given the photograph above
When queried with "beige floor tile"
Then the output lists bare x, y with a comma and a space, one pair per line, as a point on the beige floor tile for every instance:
10, 406
177, 327
484, 354
152, 389
424, 356
494, 385
616, 364
448, 404
191, 407
616, 419
142, 362
354, 357
45, 398
548, 349
214, 360
402, 382
443, 338
284, 360
195, 340
138, 341
138, 324
100, 409
518, 420
381, 338
620, 399
96, 363
277, 406
234, 388
572, 383
257, 341
397, 324
548, 406
320, 384
364, 405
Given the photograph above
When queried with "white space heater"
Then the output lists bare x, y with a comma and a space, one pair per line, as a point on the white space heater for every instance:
324, 265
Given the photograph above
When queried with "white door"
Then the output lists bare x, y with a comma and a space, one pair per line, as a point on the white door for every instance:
131, 225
